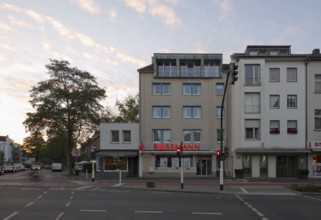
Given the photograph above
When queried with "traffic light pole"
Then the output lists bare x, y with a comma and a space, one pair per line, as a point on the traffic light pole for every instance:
221, 138
182, 173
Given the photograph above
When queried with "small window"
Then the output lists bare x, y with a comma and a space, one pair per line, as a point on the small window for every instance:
161, 88
126, 136
274, 101
161, 136
161, 112
274, 127
252, 129
317, 81
219, 135
292, 127
192, 112
114, 136
192, 136
192, 89
252, 75
292, 101
252, 102
219, 89
218, 112
274, 74
317, 119
291, 75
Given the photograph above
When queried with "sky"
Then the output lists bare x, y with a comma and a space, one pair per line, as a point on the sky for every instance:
112, 39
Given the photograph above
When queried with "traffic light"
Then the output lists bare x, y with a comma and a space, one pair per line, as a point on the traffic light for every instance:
93, 153
218, 154
178, 151
226, 152
234, 71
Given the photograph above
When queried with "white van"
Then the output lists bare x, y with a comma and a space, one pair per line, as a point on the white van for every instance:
56, 167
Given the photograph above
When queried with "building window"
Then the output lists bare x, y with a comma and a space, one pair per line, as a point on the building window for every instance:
173, 161
119, 163
291, 75
192, 136
218, 112
219, 89
114, 136
161, 136
252, 75
218, 135
126, 136
252, 102
192, 112
317, 119
274, 101
166, 68
252, 129
211, 69
292, 127
274, 74
190, 68
317, 83
192, 89
292, 101
161, 111
274, 127
247, 165
263, 165
161, 88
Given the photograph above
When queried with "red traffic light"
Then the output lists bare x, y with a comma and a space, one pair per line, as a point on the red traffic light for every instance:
218, 154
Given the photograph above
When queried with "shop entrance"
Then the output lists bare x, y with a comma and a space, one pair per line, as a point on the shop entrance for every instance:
204, 167
287, 166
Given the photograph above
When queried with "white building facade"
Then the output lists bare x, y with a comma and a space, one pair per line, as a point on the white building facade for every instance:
119, 149
268, 113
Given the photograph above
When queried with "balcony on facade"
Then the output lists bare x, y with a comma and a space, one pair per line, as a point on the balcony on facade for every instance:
187, 65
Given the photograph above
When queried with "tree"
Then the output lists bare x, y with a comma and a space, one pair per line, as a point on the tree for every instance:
68, 101
34, 145
128, 109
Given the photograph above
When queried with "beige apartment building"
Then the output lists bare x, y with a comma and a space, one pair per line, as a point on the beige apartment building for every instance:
180, 104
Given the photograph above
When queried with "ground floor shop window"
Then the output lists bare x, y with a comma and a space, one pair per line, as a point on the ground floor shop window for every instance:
119, 163
263, 166
173, 161
247, 165
316, 160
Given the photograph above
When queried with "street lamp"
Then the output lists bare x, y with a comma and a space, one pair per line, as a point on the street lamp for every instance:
93, 160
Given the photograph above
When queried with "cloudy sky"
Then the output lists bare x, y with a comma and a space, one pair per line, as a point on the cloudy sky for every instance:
111, 39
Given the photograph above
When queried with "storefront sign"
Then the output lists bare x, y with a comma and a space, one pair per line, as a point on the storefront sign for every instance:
189, 147
314, 145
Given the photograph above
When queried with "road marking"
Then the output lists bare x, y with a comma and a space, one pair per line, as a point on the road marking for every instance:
10, 216
119, 184
29, 204
310, 197
59, 216
244, 190
92, 210
252, 208
39, 197
119, 191
85, 187
71, 197
149, 212
68, 204
207, 213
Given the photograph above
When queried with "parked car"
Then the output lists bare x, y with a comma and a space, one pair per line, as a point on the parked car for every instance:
56, 167
9, 169
20, 167
47, 167
35, 167
1, 171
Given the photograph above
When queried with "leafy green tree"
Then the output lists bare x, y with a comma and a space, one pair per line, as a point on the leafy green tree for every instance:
69, 100
128, 109
34, 144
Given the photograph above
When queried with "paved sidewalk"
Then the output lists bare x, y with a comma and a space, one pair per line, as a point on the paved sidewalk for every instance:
199, 185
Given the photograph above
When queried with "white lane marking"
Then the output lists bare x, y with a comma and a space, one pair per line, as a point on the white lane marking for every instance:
71, 197
39, 197
149, 212
119, 184
207, 213
59, 216
85, 187
30, 189
244, 190
252, 208
29, 204
310, 197
45, 192
92, 210
10, 216
118, 191
68, 204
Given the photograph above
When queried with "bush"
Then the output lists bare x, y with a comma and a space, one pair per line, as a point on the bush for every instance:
88, 167
306, 187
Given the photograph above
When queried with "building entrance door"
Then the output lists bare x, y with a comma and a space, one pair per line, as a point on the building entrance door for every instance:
287, 166
204, 167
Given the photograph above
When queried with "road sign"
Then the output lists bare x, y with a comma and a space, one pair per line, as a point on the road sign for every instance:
75, 152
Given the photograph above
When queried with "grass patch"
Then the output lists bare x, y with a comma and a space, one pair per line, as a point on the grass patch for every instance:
306, 187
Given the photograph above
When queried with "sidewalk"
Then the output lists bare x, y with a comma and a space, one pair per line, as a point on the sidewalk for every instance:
275, 186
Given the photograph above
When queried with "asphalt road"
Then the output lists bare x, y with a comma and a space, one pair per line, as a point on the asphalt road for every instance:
47, 195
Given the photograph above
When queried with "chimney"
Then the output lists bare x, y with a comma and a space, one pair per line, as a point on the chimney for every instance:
316, 51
